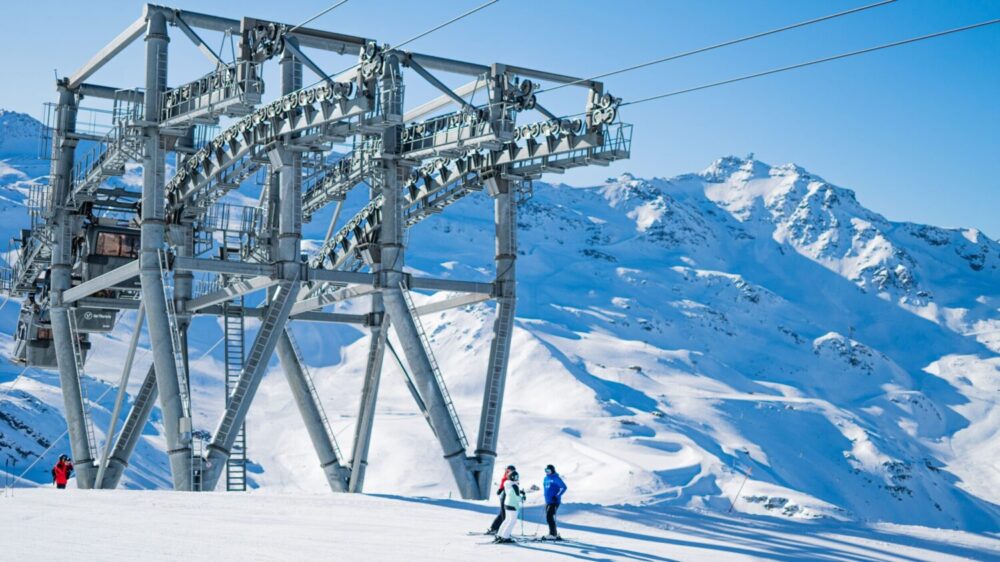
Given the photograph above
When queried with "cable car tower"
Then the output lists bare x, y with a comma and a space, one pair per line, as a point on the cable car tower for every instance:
175, 250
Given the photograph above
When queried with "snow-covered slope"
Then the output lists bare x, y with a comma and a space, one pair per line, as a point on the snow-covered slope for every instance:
673, 336
278, 527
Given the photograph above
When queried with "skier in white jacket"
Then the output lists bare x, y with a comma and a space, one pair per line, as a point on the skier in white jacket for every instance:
514, 501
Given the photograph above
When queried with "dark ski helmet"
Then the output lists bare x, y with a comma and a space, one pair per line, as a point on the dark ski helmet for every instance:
510, 468
513, 476
550, 469
63, 458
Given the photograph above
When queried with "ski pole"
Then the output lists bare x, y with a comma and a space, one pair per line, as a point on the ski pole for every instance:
732, 502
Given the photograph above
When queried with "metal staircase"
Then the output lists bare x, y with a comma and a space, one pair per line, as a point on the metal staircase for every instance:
122, 143
449, 404
234, 326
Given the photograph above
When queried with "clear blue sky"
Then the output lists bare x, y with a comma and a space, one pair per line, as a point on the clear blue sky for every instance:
914, 130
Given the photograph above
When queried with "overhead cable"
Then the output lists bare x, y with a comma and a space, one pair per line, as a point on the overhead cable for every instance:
720, 45
319, 15
408, 41
817, 61
802, 64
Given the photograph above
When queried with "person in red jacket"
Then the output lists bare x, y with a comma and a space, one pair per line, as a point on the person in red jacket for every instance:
500, 492
62, 471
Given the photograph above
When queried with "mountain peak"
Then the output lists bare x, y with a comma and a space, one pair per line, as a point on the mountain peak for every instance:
19, 134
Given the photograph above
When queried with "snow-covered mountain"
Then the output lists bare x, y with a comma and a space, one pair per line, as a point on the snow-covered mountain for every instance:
673, 337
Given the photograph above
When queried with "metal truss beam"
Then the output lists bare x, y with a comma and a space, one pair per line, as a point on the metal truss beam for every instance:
335, 317
444, 101
198, 42
199, 20
226, 267
235, 289
451, 302
335, 276
439, 85
291, 45
109, 93
110, 279
327, 298
117, 45
450, 285
327, 317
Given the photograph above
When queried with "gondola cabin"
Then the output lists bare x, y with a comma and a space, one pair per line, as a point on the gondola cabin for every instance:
107, 248
33, 343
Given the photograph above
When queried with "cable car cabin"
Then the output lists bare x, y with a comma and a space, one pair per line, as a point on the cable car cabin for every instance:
107, 248
33, 343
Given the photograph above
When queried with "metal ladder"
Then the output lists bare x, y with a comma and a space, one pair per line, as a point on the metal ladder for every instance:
277, 307
234, 326
315, 397
498, 356
79, 360
175, 335
197, 463
449, 404
504, 326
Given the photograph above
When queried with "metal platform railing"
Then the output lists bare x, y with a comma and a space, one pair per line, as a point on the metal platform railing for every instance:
233, 91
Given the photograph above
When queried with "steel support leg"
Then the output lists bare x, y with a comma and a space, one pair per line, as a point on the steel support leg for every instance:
60, 276
69, 381
131, 431
426, 383
392, 176
496, 372
369, 397
336, 475
175, 424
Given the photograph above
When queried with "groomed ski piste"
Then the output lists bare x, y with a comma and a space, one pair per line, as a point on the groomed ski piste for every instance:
40, 524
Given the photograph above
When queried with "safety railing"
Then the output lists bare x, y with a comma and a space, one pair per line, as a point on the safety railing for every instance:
456, 132
233, 90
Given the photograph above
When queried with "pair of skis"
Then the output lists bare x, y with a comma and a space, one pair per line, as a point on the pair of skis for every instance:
521, 539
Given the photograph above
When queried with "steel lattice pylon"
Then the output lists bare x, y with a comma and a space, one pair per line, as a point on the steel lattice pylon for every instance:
97, 249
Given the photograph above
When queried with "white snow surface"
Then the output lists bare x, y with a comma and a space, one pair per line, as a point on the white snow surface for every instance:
674, 338
134, 525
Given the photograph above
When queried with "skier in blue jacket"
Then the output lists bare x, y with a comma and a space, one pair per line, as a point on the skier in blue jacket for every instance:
554, 488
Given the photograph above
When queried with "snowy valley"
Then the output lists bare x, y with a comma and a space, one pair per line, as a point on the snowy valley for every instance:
748, 335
